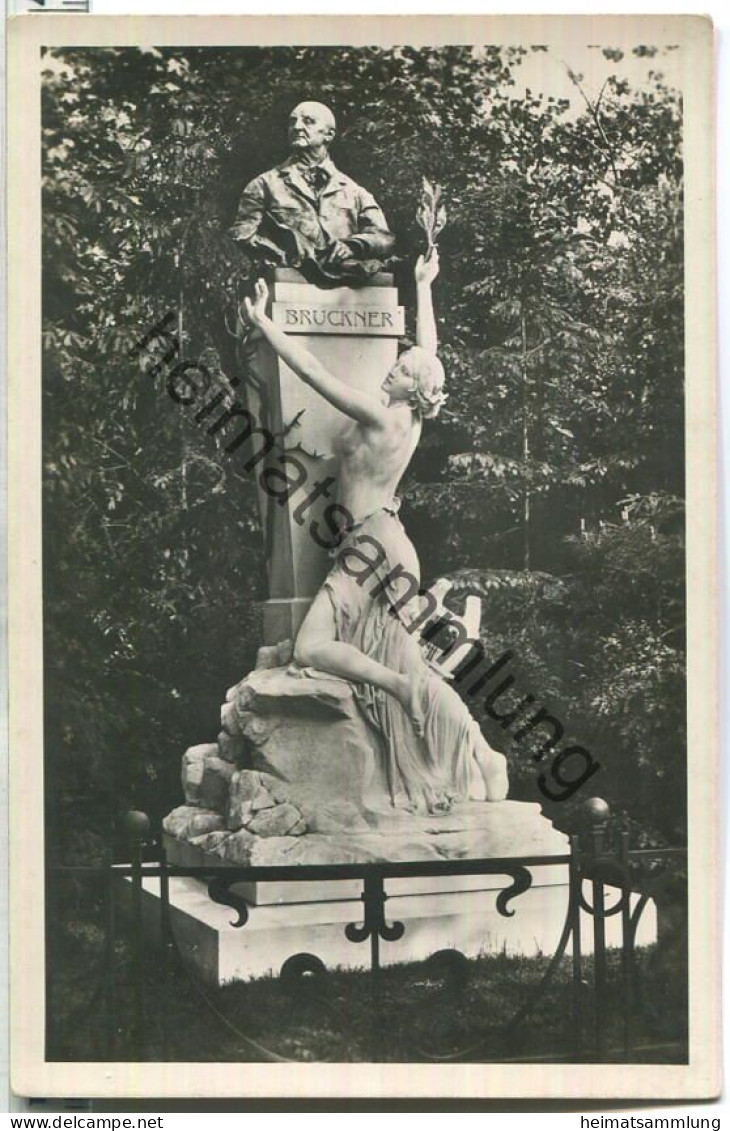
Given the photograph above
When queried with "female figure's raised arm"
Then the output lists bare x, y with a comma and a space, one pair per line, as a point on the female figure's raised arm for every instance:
425, 272
361, 407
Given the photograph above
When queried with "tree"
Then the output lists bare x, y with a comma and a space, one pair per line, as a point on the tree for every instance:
554, 476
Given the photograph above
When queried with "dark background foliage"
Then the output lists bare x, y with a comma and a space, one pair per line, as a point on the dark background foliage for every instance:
551, 485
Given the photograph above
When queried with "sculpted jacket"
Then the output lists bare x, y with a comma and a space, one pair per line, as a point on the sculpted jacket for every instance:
290, 221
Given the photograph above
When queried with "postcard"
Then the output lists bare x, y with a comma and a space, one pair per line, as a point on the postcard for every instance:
362, 557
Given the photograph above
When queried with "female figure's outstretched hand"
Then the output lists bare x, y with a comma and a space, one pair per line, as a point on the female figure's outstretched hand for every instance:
362, 407
427, 267
426, 270
256, 310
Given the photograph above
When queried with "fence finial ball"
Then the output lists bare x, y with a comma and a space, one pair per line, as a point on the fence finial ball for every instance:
596, 810
137, 824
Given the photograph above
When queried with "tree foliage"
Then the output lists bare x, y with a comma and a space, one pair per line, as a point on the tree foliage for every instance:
552, 482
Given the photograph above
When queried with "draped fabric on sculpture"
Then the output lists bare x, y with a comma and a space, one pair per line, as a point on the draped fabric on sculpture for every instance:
426, 773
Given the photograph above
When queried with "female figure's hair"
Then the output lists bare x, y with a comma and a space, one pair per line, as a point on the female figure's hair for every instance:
428, 381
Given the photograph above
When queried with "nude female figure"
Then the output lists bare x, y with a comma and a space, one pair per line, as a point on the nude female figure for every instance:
346, 631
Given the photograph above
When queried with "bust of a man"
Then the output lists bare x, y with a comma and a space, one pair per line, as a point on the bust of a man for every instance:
306, 214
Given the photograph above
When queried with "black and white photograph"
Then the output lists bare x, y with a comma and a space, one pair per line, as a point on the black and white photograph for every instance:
366, 528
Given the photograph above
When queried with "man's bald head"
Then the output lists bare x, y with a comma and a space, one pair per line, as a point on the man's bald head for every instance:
311, 129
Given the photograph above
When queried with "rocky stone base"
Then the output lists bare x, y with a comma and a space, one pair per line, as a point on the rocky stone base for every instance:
295, 777
472, 830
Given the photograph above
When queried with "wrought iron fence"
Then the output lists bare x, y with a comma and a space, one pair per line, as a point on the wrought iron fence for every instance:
603, 874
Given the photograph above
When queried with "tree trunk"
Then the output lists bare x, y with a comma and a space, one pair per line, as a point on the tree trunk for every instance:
527, 497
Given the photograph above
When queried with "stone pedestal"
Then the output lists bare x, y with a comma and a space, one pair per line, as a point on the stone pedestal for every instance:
354, 333
298, 775
295, 779
438, 913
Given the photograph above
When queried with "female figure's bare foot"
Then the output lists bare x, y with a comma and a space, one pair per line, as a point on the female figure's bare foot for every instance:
408, 691
493, 767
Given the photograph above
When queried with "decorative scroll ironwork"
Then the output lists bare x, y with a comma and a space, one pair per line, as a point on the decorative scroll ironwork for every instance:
507, 1031
374, 924
521, 882
219, 890
300, 968
605, 912
304, 978
597, 858
452, 966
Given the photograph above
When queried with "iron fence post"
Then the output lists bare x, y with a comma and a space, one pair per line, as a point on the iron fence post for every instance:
110, 996
598, 814
574, 890
374, 926
166, 937
627, 971
599, 962
138, 828
374, 897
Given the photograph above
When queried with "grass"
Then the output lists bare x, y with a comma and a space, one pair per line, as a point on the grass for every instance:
416, 1011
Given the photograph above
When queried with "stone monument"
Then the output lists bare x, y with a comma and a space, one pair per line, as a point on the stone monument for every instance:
302, 769
353, 332
314, 232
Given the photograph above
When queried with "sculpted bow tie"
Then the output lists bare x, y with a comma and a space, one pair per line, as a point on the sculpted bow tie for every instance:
315, 176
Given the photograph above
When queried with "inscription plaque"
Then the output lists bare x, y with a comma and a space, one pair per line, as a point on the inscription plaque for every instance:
324, 318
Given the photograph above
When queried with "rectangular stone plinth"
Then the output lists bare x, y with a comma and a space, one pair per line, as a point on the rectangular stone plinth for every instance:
467, 921
354, 333
262, 893
282, 618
